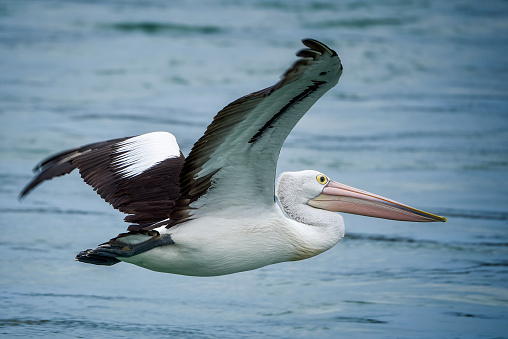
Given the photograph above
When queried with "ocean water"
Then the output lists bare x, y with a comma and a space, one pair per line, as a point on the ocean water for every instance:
420, 115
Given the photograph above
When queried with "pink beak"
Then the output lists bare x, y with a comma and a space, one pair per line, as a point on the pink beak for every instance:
338, 197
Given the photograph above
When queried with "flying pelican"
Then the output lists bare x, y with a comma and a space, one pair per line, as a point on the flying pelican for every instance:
214, 212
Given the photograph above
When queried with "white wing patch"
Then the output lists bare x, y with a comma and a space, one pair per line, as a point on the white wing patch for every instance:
140, 153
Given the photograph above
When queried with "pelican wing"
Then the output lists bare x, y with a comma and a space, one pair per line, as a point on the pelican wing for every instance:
234, 162
136, 175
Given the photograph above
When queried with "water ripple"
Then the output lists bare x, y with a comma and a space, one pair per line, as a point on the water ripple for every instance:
87, 328
360, 320
423, 242
48, 211
149, 27
103, 327
472, 214
82, 296
143, 118
363, 22
468, 315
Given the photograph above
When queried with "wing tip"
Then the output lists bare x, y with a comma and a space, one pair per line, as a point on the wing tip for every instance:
315, 51
315, 45
26, 190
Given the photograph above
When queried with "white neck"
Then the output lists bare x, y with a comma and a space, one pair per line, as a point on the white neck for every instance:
320, 227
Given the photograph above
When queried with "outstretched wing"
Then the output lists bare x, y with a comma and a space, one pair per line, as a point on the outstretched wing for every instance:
234, 162
137, 175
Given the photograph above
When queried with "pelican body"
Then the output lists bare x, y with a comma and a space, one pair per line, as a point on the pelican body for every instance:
216, 212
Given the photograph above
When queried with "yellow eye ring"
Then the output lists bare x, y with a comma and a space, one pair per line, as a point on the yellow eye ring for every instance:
322, 179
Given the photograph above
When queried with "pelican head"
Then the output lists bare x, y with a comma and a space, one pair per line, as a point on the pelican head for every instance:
299, 192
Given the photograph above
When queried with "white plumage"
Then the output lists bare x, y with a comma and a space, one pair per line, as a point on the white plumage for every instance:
138, 154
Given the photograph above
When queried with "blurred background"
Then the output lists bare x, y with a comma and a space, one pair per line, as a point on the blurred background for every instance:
420, 115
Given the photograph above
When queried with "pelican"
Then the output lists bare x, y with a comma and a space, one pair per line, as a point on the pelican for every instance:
216, 211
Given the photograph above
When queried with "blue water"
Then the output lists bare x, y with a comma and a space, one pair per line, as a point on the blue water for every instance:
420, 115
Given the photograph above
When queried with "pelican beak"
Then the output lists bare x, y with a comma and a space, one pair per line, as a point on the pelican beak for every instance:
337, 197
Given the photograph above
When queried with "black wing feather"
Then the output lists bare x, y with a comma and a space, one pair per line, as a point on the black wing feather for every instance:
147, 197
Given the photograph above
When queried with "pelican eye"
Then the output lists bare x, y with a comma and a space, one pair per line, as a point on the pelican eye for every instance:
322, 179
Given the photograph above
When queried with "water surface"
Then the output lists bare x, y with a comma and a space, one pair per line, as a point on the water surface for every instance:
420, 115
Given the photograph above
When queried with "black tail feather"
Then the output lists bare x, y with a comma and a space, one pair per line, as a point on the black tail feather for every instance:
92, 257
